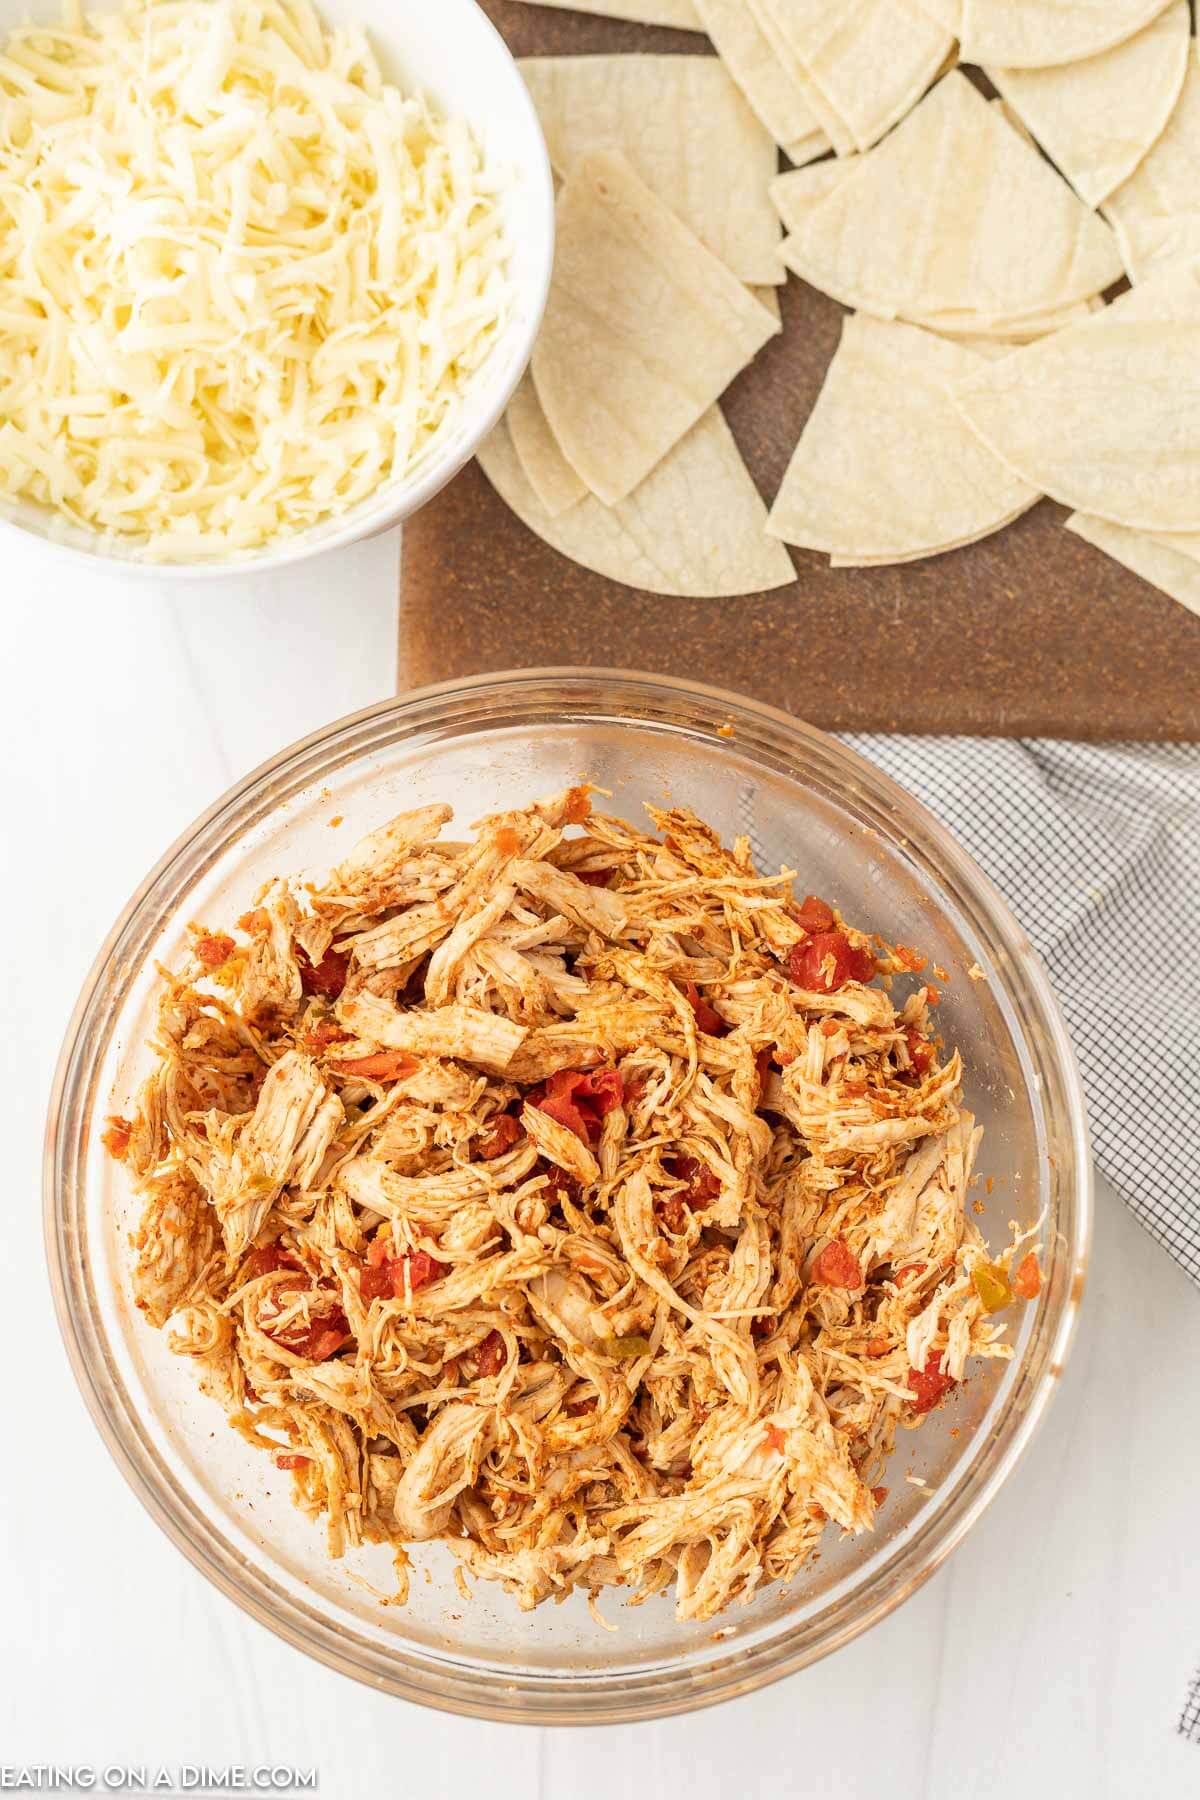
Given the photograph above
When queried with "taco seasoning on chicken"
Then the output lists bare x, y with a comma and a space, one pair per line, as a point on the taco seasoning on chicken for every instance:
576, 1195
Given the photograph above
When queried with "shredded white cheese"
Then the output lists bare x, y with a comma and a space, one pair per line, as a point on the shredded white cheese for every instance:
243, 281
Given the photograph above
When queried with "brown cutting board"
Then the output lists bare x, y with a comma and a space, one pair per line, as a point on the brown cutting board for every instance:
1031, 631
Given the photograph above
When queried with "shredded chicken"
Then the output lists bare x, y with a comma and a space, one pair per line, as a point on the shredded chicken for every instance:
572, 1195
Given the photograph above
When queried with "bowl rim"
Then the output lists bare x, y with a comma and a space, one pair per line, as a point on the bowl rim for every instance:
389, 504
536, 1697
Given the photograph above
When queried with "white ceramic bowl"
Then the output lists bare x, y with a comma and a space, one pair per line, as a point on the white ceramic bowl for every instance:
449, 50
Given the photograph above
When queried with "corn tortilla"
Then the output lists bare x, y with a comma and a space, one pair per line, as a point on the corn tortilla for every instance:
769, 297
767, 15
885, 469
681, 13
643, 331
963, 543
798, 193
953, 213
947, 13
967, 327
871, 60
694, 528
549, 474
1000, 338
1097, 119
1105, 415
1174, 571
1156, 213
1033, 34
806, 149
687, 131
738, 40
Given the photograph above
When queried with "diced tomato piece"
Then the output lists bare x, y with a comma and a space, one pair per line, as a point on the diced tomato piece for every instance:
115, 1137
909, 1272
489, 1358
605, 1089
826, 961
327, 977
375, 1278
702, 1189
318, 1341
1027, 1279
580, 1101
578, 807
774, 1439
556, 1098
381, 1065
378, 1274
380, 1248
505, 1132
912, 960
324, 1033
837, 1266
268, 1260
702, 1185
862, 965
559, 1185
213, 948
708, 1019
920, 1051
322, 1341
386, 1275
375, 1281
673, 1212
929, 1385
287, 1460
814, 914
422, 1269
879, 1495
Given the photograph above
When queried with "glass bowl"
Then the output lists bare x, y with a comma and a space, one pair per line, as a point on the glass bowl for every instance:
500, 741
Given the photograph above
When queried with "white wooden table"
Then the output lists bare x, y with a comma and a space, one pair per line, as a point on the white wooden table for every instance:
1050, 1657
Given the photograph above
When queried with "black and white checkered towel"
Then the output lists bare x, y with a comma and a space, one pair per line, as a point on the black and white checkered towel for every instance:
1097, 851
